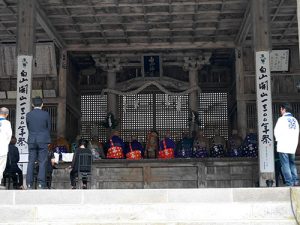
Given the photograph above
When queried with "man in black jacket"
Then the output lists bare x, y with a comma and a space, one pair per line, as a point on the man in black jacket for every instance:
39, 125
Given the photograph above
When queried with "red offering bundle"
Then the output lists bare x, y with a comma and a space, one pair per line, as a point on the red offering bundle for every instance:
134, 154
114, 152
166, 153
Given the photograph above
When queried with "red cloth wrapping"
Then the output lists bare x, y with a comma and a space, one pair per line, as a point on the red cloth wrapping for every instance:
134, 154
115, 152
166, 153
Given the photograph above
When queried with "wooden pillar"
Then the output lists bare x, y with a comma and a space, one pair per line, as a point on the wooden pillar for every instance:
192, 65
26, 27
240, 91
262, 47
62, 90
112, 66
193, 98
298, 18
25, 54
112, 98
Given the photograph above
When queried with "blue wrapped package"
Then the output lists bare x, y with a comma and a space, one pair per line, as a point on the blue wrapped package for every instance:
200, 152
200, 146
184, 148
249, 147
234, 146
235, 152
217, 151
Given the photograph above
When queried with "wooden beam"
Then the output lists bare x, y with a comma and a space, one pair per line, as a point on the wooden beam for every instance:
298, 19
277, 10
26, 28
122, 21
132, 5
219, 20
137, 22
99, 24
244, 28
153, 46
48, 27
293, 20
146, 21
76, 27
170, 21
174, 13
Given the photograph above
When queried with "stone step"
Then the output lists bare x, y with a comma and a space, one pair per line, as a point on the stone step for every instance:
150, 206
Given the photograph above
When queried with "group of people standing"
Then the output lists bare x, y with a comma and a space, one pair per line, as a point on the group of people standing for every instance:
39, 126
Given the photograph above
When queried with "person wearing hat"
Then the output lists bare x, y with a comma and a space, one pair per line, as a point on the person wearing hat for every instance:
39, 125
286, 133
5, 136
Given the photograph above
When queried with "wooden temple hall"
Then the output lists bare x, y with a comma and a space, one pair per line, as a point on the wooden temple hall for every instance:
170, 65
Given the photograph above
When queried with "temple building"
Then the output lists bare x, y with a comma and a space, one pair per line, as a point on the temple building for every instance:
140, 65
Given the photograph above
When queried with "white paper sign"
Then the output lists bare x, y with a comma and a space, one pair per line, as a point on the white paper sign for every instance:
23, 101
2, 95
279, 60
264, 112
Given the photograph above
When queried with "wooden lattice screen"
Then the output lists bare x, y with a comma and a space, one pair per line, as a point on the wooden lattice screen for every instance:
136, 113
93, 111
213, 113
252, 114
143, 112
152, 112
169, 118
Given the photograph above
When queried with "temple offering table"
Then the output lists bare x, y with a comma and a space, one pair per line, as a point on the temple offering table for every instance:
171, 173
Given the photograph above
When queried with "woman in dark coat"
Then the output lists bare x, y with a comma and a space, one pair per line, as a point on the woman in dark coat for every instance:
12, 167
82, 149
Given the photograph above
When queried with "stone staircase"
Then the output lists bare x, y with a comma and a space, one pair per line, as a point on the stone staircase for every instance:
238, 206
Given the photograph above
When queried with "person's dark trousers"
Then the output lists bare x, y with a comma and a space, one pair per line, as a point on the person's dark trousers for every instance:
18, 180
17, 176
278, 173
37, 152
73, 175
49, 179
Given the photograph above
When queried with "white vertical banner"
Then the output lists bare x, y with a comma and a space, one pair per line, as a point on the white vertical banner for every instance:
264, 112
23, 104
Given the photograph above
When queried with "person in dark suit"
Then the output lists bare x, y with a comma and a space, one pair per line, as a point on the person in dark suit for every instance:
39, 125
12, 167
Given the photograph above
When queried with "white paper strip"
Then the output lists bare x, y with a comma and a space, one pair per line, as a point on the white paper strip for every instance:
264, 112
23, 100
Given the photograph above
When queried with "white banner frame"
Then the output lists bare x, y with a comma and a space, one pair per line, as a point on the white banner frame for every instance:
264, 112
23, 103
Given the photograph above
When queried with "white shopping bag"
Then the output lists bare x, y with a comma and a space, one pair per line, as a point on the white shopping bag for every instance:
67, 157
56, 157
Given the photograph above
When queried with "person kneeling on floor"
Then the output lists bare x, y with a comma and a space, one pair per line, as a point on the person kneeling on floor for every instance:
82, 149
12, 167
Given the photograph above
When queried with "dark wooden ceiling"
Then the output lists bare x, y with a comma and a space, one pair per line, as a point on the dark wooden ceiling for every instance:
92, 26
